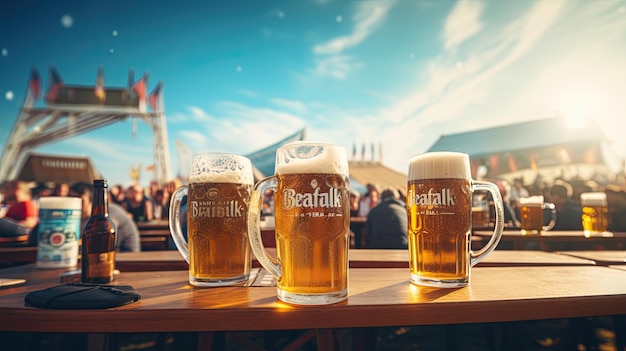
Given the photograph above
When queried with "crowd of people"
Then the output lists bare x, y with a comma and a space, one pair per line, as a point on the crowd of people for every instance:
384, 210
386, 217
127, 206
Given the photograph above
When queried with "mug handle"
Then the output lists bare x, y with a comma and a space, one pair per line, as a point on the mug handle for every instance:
270, 264
175, 218
477, 256
549, 206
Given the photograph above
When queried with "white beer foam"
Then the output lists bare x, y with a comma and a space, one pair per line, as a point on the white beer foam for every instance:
439, 165
311, 157
593, 199
221, 168
531, 200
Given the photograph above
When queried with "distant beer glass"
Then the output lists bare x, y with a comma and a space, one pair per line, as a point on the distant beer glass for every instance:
480, 213
532, 212
595, 213
312, 223
217, 249
439, 204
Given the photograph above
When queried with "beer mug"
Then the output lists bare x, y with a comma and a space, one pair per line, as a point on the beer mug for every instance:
595, 213
439, 204
532, 210
217, 248
312, 223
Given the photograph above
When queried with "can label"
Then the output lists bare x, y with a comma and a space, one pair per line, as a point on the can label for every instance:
59, 231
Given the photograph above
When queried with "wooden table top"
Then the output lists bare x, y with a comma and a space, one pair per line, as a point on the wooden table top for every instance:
603, 258
377, 297
171, 260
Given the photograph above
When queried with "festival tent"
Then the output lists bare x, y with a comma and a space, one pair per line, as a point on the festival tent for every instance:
363, 173
548, 146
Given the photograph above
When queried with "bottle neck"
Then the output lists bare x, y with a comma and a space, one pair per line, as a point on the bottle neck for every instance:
100, 205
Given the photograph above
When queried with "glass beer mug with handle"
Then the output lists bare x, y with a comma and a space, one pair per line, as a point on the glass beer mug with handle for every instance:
217, 247
533, 212
439, 204
312, 223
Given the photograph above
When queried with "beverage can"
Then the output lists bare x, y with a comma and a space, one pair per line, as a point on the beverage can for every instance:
59, 231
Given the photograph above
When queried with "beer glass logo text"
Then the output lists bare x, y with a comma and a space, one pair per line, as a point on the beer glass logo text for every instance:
210, 209
432, 198
331, 199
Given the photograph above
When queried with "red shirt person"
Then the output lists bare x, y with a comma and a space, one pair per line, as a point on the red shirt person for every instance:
21, 207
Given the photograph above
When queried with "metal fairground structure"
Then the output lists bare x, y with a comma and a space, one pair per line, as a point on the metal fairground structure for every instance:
70, 110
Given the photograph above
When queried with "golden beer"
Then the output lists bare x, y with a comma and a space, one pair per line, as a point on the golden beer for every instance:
439, 205
595, 213
312, 216
533, 210
217, 231
532, 218
311, 235
217, 246
439, 228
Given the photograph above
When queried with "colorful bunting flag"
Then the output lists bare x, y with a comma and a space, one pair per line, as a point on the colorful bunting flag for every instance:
155, 95
34, 85
141, 87
55, 84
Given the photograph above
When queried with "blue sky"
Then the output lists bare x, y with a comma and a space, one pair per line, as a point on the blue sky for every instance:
240, 75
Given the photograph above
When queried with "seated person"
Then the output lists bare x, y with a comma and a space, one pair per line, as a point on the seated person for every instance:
387, 223
568, 213
138, 204
127, 235
21, 215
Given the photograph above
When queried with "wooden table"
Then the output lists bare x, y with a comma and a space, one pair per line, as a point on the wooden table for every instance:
602, 258
18, 255
171, 260
555, 241
13, 240
377, 297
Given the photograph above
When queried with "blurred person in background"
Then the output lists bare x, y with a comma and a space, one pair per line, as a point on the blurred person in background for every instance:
568, 212
138, 204
61, 189
387, 223
369, 200
517, 191
356, 227
127, 239
160, 205
21, 214
117, 194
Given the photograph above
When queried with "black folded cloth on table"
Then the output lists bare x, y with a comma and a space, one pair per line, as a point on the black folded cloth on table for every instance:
82, 296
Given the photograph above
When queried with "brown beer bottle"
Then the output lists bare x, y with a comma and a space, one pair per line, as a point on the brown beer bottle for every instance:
98, 236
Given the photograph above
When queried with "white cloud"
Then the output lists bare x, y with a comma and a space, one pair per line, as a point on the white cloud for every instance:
333, 62
462, 23
193, 137
368, 18
449, 89
296, 106
239, 128
337, 66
